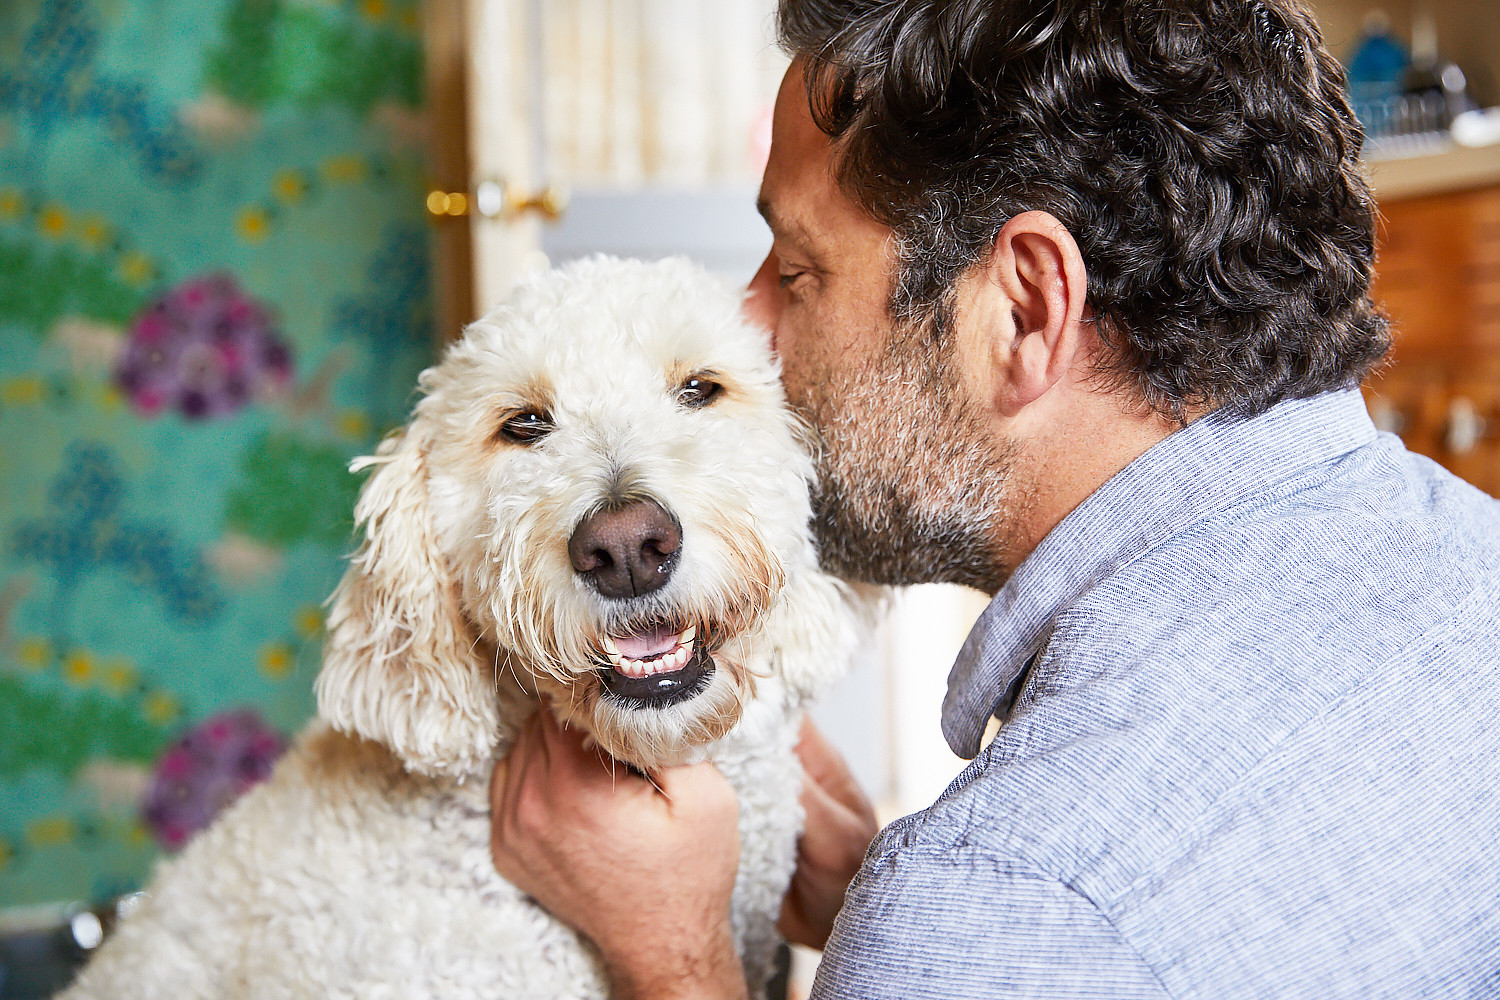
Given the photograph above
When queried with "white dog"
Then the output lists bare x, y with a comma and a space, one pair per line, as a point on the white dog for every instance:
601, 501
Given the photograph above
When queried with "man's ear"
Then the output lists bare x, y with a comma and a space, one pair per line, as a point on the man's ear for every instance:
1032, 298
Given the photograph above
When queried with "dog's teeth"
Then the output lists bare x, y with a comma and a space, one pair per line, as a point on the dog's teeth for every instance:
611, 648
688, 635
666, 663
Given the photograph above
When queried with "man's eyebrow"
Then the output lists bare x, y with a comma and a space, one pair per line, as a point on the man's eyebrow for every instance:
781, 227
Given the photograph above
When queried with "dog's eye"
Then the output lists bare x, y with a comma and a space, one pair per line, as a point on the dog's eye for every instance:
698, 391
524, 428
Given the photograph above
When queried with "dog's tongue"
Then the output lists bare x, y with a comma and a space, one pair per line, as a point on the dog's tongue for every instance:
652, 642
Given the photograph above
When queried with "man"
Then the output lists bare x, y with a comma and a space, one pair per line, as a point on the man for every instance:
1076, 293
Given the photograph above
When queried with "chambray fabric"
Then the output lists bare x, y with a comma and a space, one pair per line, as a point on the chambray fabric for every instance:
1251, 742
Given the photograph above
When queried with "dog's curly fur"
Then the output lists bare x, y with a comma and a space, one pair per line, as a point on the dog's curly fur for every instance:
362, 867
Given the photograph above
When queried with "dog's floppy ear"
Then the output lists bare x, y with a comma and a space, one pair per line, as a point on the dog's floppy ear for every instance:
400, 665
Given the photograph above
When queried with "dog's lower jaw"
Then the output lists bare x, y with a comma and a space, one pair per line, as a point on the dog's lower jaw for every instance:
651, 736
659, 690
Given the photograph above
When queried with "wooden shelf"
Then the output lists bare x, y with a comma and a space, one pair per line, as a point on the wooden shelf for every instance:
1457, 169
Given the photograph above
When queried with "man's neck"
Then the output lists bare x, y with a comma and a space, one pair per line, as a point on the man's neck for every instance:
1075, 445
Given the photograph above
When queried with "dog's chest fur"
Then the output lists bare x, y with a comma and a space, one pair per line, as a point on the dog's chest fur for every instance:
344, 876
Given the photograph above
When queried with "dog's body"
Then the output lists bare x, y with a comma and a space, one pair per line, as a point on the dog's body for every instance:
346, 877
600, 505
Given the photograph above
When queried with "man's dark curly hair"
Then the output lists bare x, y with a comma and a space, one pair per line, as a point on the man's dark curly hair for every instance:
1202, 153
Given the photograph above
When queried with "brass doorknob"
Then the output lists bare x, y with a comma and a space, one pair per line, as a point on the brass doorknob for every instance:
498, 200
441, 203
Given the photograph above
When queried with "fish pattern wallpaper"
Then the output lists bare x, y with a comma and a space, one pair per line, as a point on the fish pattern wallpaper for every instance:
213, 295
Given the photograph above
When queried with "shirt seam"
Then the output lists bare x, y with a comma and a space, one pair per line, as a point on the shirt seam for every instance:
1007, 867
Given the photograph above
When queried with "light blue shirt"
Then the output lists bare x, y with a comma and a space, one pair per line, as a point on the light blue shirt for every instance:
1251, 692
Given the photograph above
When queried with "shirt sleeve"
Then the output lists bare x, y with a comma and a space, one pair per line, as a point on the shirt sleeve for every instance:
953, 924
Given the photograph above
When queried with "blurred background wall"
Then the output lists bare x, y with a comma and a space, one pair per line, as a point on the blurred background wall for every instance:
213, 293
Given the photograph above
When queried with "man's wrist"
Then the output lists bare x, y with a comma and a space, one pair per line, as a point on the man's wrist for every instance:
714, 973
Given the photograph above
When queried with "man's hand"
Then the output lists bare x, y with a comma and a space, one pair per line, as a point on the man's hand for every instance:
840, 825
643, 870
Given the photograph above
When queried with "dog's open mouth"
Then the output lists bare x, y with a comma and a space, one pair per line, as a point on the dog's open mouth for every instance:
656, 666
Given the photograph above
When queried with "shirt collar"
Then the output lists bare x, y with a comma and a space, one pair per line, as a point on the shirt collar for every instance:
1193, 474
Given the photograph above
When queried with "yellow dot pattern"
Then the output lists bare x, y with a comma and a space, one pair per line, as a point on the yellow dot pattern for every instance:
353, 424
253, 225
53, 221
309, 621
161, 707
24, 390
276, 660
119, 676
78, 668
289, 186
34, 654
50, 831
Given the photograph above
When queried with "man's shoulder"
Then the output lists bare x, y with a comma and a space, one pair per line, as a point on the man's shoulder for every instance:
1223, 781
1160, 691
1344, 565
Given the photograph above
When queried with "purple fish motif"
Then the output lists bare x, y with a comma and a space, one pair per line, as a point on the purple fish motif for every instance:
205, 770
204, 348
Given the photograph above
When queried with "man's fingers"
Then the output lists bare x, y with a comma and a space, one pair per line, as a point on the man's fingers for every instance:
818, 802
828, 772
819, 759
563, 747
574, 759
499, 786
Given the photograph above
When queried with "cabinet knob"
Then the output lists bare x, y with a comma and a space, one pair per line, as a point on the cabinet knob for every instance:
1465, 426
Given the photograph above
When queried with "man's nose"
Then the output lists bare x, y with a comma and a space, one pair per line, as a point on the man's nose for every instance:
762, 304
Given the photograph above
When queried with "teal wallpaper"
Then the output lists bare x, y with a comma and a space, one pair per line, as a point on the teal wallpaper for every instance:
213, 294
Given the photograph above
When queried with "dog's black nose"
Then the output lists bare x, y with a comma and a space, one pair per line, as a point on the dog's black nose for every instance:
626, 551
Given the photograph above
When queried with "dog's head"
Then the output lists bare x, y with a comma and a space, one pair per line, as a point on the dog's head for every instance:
603, 493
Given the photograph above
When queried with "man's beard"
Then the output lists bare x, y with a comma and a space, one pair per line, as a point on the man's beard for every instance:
910, 485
